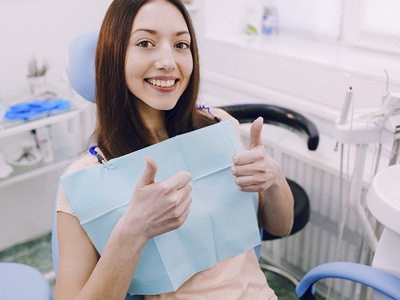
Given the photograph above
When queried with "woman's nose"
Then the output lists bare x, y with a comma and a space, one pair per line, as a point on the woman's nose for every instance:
166, 59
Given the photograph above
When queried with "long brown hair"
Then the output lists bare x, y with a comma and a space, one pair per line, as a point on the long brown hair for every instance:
120, 129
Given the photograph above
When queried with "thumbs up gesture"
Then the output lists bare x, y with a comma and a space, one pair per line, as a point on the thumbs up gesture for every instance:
254, 169
159, 207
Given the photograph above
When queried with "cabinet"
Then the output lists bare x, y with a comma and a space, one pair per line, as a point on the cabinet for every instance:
65, 131
27, 196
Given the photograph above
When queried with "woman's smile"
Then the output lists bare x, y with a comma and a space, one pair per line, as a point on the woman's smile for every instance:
162, 84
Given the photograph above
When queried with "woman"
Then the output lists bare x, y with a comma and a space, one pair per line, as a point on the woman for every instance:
147, 82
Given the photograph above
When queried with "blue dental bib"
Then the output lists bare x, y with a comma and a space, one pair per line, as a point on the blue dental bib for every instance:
222, 221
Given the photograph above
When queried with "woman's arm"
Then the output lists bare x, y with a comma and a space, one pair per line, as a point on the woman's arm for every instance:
276, 208
256, 171
155, 208
83, 274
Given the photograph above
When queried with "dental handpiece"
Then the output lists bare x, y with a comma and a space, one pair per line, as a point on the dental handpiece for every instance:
346, 107
345, 111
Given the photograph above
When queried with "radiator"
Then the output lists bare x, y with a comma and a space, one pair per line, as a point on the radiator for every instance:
319, 174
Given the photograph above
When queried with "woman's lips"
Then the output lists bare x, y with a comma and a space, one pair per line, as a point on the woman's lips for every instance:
162, 85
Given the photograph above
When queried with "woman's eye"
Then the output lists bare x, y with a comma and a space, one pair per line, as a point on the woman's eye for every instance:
145, 44
182, 45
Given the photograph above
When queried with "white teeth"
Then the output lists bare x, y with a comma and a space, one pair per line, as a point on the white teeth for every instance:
161, 83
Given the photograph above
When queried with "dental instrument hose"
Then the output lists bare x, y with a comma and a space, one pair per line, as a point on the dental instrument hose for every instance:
394, 155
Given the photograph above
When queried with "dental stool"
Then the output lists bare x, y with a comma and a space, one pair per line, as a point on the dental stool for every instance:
20, 282
276, 115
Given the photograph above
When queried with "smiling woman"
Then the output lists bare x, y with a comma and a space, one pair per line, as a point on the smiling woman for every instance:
146, 90
158, 61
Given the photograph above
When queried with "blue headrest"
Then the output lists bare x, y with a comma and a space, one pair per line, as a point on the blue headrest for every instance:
80, 64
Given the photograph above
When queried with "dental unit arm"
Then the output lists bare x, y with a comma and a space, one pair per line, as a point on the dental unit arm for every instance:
376, 125
364, 127
391, 112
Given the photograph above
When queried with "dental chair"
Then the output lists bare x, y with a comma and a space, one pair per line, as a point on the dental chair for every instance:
19, 281
381, 281
81, 75
383, 276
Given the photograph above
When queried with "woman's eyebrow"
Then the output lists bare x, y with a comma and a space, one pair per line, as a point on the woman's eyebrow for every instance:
145, 30
151, 31
182, 33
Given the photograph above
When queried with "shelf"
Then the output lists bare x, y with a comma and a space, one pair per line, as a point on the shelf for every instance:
27, 126
24, 173
62, 155
9, 128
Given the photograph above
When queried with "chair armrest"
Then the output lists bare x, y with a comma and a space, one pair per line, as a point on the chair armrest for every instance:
384, 282
276, 115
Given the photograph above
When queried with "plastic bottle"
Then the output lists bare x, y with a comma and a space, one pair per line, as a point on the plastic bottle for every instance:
270, 19
43, 139
254, 12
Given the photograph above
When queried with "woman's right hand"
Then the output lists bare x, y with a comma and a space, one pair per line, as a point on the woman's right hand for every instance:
159, 207
155, 208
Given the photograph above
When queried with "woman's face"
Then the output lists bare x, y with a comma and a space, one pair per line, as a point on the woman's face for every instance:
158, 62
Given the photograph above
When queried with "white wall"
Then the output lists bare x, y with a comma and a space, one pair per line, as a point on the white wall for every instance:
305, 75
42, 28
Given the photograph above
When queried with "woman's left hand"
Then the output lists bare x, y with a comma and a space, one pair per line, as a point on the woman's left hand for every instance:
254, 169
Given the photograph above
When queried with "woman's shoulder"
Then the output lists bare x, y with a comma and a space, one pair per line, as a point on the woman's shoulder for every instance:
223, 116
84, 161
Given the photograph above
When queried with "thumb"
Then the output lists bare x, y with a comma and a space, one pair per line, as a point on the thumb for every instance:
255, 132
149, 172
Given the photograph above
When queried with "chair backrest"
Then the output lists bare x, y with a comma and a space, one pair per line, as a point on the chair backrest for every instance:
54, 239
81, 75
80, 64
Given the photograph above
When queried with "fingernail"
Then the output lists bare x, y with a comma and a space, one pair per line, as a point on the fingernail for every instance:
235, 159
233, 170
